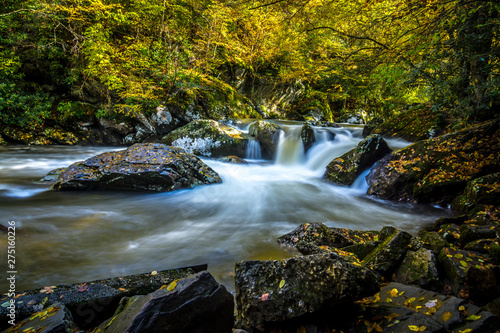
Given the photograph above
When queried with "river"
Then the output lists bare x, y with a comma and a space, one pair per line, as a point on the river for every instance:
70, 237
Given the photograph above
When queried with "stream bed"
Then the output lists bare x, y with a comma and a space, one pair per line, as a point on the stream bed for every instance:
70, 237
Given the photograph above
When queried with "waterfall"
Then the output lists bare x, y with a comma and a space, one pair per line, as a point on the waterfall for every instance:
290, 147
254, 151
360, 184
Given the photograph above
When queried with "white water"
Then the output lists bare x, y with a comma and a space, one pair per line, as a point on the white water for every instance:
66, 237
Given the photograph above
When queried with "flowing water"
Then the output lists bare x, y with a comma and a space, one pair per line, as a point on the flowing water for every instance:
69, 237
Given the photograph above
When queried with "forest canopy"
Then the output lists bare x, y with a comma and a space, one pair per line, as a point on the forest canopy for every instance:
128, 56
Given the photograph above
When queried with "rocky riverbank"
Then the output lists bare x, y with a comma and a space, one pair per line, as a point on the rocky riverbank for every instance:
445, 279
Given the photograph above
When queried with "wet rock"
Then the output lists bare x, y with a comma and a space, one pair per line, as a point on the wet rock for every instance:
351, 118
345, 169
208, 138
141, 167
402, 308
316, 237
481, 245
233, 159
471, 232
361, 250
278, 290
24, 137
483, 283
458, 220
53, 175
456, 263
267, 134
121, 128
479, 192
432, 241
193, 304
163, 121
419, 268
61, 137
307, 135
450, 233
438, 169
54, 319
388, 254
94, 301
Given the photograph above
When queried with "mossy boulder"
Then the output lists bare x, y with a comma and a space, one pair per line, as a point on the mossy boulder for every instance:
307, 135
273, 291
316, 237
345, 169
268, 135
420, 269
479, 193
438, 169
416, 123
141, 167
388, 254
432, 240
208, 138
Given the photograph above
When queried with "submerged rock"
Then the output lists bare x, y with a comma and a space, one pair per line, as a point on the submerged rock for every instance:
278, 290
141, 167
437, 170
193, 304
268, 134
345, 169
307, 135
233, 159
208, 138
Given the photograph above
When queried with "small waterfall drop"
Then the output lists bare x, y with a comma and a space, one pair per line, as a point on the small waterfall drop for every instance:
360, 184
290, 147
254, 151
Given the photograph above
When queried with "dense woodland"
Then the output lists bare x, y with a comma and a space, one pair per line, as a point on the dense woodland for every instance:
65, 60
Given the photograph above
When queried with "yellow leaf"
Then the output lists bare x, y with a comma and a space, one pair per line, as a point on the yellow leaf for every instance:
389, 300
154, 272
394, 292
446, 316
172, 285
473, 317
282, 283
414, 328
461, 308
467, 330
163, 287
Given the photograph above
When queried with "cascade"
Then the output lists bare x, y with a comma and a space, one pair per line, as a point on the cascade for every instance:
290, 147
254, 151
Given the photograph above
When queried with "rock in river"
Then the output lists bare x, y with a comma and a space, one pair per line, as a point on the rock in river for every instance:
208, 138
141, 167
271, 291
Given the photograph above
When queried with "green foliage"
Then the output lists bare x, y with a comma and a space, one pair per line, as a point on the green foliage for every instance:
23, 109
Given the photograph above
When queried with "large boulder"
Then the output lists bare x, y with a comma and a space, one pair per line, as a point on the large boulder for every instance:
268, 134
194, 304
94, 301
345, 169
438, 169
141, 167
273, 291
208, 138
479, 194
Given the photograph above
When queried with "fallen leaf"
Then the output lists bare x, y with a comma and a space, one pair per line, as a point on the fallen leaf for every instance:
82, 287
417, 328
446, 316
172, 285
394, 292
473, 317
264, 297
461, 308
282, 283
154, 273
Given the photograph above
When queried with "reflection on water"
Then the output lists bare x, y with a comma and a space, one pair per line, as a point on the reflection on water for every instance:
66, 237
